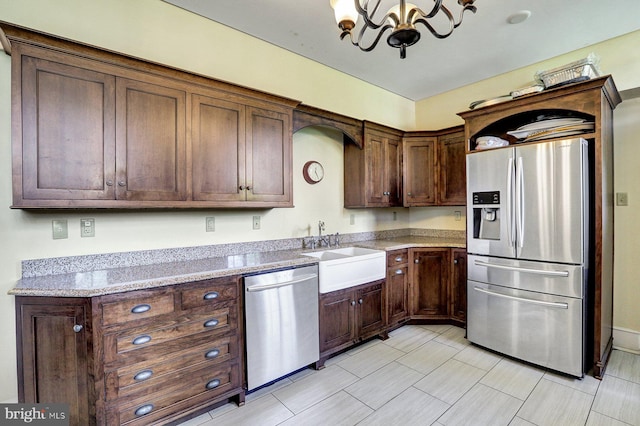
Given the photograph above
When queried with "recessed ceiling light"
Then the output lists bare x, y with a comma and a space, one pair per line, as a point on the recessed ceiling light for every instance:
519, 17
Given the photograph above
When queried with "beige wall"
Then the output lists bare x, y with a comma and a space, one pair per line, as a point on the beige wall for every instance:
156, 31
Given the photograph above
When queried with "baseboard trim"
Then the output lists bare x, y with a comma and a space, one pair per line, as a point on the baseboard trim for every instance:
625, 339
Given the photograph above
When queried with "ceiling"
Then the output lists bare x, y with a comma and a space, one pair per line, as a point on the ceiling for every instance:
484, 45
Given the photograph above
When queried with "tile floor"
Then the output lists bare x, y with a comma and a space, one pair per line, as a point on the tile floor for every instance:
431, 375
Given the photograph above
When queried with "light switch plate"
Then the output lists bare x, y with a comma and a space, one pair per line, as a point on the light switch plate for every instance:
622, 199
256, 222
59, 229
210, 223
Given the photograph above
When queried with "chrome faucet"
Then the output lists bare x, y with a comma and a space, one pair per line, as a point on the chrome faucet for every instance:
322, 239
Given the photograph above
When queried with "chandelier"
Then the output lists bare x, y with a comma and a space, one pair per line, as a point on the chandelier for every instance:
400, 19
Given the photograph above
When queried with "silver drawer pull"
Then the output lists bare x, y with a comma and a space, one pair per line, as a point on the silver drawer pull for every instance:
141, 340
399, 272
140, 309
212, 384
398, 259
524, 299
211, 295
213, 353
521, 269
211, 323
145, 409
143, 375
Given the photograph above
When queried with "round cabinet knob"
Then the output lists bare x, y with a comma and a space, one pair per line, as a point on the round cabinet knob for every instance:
241, 187
455, 261
353, 303
248, 188
408, 193
109, 183
121, 183
399, 272
398, 259
416, 261
77, 328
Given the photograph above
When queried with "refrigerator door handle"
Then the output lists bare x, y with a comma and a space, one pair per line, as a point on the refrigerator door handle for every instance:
510, 217
519, 269
523, 299
520, 201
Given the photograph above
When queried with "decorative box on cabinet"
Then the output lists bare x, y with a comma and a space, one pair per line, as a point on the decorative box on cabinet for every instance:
140, 357
594, 100
373, 174
89, 125
349, 316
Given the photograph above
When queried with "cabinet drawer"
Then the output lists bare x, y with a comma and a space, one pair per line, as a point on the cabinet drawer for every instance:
209, 292
167, 336
139, 377
188, 384
137, 308
397, 258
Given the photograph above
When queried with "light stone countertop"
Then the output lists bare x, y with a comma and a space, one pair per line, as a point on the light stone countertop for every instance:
116, 280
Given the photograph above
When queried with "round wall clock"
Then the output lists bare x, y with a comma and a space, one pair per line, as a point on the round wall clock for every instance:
312, 172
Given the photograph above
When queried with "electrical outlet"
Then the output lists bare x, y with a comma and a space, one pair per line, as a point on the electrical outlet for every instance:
87, 228
256, 222
59, 228
210, 222
352, 219
458, 215
622, 199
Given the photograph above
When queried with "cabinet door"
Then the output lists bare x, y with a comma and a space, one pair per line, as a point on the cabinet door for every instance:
371, 316
376, 186
459, 285
382, 161
68, 131
150, 141
53, 356
218, 149
337, 321
393, 171
397, 292
452, 184
268, 156
419, 171
430, 282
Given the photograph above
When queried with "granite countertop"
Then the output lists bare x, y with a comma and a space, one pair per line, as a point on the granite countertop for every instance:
116, 280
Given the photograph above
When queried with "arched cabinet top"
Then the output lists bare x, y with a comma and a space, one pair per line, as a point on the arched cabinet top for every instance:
305, 116
583, 100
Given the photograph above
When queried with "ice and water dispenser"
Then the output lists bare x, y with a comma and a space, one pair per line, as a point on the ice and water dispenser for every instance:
486, 215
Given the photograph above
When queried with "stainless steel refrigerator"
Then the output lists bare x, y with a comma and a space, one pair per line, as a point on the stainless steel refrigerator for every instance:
528, 240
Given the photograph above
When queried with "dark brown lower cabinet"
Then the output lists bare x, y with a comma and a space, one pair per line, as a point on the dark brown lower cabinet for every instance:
459, 285
429, 272
137, 358
397, 288
54, 355
351, 315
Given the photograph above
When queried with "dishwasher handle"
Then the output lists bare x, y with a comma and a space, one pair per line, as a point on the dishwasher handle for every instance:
299, 279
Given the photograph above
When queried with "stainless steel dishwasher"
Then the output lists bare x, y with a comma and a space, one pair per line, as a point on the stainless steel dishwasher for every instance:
282, 329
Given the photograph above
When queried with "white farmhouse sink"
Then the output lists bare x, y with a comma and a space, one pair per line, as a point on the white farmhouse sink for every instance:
349, 266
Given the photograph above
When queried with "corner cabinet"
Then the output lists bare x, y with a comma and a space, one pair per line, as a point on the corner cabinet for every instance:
136, 358
95, 129
434, 169
373, 174
595, 101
